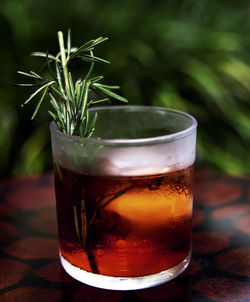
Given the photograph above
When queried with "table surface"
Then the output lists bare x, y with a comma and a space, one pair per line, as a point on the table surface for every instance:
219, 271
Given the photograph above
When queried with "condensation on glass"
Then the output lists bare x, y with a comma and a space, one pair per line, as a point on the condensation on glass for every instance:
124, 197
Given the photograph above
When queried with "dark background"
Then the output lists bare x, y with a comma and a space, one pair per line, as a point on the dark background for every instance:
189, 55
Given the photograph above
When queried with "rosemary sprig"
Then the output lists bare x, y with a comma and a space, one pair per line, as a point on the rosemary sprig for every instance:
70, 99
81, 229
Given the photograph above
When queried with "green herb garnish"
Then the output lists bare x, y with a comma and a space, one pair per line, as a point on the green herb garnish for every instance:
70, 99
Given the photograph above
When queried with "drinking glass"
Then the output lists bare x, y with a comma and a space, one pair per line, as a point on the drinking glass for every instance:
124, 197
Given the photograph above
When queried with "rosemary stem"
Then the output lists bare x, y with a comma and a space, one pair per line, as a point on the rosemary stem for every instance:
64, 64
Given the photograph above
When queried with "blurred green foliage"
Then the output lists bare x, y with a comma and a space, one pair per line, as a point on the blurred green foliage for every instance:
188, 55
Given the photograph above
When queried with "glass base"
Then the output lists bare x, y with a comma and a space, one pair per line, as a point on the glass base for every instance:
124, 283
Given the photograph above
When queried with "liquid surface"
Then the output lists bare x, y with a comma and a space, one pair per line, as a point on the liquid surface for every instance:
124, 226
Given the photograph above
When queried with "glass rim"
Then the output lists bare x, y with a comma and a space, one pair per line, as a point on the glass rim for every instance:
133, 141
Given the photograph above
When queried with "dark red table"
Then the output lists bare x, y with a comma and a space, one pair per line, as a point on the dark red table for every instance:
219, 270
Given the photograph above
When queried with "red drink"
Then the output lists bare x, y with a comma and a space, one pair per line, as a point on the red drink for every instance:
124, 226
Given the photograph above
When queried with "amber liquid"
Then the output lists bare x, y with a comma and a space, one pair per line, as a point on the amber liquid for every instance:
124, 226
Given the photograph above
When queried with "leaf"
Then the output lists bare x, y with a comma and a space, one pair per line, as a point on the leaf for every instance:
29, 75
96, 79
68, 93
54, 103
69, 43
36, 75
98, 101
237, 69
85, 99
84, 224
28, 85
57, 92
53, 115
91, 132
45, 55
89, 58
68, 123
58, 112
50, 70
86, 47
40, 102
71, 86
38, 90
86, 124
90, 71
93, 121
82, 91
79, 127
108, 86
76, 224
207, 81
110, 93
78, 87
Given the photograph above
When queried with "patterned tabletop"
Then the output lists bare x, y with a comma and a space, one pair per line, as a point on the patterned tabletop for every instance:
219, 270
